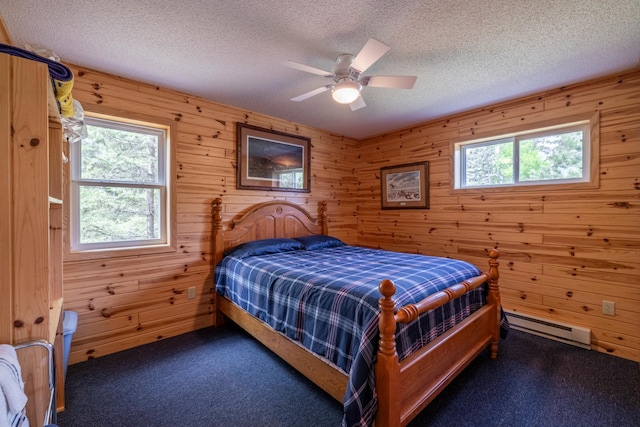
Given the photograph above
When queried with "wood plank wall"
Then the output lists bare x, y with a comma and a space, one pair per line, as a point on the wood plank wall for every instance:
562, 252
124, 302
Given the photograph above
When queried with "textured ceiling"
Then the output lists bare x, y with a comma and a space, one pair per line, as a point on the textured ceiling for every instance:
466, 54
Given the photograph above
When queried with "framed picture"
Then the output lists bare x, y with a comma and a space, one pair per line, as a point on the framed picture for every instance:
271, 160
405, 186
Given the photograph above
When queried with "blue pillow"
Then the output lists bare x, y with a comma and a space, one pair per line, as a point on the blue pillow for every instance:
263, 247
319, 241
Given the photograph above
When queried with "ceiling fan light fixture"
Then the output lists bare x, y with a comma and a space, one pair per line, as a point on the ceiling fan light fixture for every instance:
345, 92
348, 79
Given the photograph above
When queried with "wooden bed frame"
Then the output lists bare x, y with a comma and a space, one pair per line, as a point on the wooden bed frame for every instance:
403, 388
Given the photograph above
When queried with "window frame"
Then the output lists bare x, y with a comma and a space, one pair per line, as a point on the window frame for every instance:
166, 161
591, 156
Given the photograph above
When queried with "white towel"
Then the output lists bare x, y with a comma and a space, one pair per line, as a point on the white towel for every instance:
12, 397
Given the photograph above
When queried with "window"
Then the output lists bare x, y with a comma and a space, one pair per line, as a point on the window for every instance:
559, 154
292, 178
119, 186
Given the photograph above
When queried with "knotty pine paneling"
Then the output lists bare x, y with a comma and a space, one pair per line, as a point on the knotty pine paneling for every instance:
124, 302
562, 251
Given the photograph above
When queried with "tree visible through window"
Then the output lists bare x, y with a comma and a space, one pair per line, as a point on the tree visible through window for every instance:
489, 164
552, 157
291, 178
118, 186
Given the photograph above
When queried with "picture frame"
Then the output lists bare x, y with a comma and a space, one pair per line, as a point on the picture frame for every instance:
405, 186
272, 160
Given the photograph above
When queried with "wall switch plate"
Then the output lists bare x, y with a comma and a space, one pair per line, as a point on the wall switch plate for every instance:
191, 292
609, 308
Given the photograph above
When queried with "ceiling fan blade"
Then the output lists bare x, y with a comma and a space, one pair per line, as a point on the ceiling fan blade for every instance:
370, 53
396, 82
308, 69
357, 104
311, 93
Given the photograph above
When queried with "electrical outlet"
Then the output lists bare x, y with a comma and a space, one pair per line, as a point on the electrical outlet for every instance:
609, 308
191, 292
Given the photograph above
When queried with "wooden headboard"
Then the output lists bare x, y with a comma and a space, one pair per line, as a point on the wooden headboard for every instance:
265, 221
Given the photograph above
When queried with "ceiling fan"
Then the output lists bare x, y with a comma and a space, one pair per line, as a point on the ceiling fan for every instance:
348, 78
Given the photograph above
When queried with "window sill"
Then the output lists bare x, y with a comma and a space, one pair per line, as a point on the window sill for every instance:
118, 253
530, 188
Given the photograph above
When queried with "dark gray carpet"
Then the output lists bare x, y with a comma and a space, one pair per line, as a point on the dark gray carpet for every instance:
222, 377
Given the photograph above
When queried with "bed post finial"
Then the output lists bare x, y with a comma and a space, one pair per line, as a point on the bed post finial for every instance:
217, 243
493, 264
322, 217
217, 212
387, 320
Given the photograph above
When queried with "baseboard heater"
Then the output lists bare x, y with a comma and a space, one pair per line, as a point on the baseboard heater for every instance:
574, 335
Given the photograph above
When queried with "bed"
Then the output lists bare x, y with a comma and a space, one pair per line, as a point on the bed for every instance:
390, 378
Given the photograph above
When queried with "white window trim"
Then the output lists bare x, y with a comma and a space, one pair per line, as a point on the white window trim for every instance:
591, 160
167, 241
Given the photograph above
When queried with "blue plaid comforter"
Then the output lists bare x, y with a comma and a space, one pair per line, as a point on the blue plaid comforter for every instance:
327, 300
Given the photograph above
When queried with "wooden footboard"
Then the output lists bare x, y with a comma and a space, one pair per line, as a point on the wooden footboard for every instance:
403, 389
